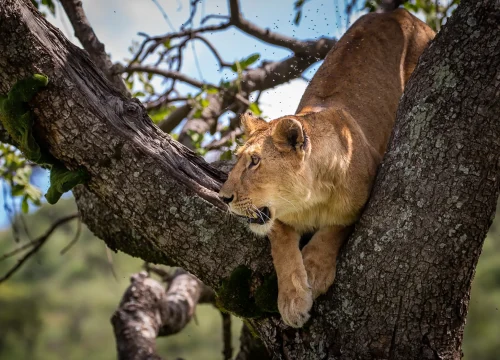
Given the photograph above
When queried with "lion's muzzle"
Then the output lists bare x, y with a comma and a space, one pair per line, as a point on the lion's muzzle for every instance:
263, 216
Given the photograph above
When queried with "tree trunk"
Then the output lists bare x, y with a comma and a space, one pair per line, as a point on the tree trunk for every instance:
402, 285
403, 278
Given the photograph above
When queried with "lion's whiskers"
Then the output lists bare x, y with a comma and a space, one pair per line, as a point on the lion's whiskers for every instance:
288, 201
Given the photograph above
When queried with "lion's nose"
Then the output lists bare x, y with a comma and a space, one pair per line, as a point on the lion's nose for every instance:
227, 200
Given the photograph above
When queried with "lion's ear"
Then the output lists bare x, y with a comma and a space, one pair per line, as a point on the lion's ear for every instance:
288, 134
251, 123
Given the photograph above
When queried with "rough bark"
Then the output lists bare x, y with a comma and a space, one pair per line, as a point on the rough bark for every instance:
149, 195
251, 348
402, 285
148, 310
90, 42
403, 278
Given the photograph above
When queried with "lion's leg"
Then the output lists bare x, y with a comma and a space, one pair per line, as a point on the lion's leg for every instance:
320, 257
294, 293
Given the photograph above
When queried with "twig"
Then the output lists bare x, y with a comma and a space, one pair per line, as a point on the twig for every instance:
39, 243
65, 249
175, 118
164, 14
166, 73
196, 61
109, 256
193, 4
158, 40
231, 135
214, 16
19, 249
265, 35
222, 63
85, 33
162, 273
227, 350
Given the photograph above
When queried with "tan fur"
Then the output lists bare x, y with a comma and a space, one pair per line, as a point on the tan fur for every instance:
317, 167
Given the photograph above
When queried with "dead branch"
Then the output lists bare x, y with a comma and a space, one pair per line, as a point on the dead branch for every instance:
35, 245
147, 311
90, 42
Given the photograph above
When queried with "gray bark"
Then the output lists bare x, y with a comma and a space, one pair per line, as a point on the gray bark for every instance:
403, 278
403, 281
148, 310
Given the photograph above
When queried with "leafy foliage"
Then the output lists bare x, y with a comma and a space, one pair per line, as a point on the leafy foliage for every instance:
16, 172
18, 119
435, 12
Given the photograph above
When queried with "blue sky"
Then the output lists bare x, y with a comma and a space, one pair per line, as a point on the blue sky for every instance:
118, 22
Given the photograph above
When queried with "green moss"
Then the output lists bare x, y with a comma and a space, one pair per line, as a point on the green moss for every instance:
62, 180
266, 295
235, 295
251, 328
17, 118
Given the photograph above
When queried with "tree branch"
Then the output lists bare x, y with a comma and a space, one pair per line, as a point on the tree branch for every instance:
175, 118
147, 311
222, 63
424, 225
265, 35
90, 42
251, 347
156, 41
175, 75
35, 245
267, 76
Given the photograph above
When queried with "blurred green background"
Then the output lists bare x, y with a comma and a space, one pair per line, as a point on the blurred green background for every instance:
59, 306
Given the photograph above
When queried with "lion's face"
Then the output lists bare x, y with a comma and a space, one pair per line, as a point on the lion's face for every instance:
270, 178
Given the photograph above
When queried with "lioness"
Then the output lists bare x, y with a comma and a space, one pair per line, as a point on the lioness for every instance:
313, 171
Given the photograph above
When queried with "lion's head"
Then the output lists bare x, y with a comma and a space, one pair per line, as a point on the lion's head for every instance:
270, 178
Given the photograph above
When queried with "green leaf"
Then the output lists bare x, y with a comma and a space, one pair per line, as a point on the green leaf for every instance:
197, 114
17, 190
298, 15
226, 155
212, 90
204, 103
254, 107
149, 88
138, 93
158, 115
249, 61
24, 205
410, 7
236, 66
50, 4
298, 4
242, 64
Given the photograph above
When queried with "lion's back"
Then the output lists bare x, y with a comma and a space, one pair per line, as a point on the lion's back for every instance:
367, 69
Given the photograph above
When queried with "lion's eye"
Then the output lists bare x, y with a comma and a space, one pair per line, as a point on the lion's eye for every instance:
254, 161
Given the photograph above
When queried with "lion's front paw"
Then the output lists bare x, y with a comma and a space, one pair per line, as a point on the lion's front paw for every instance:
295, 301
320, 274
